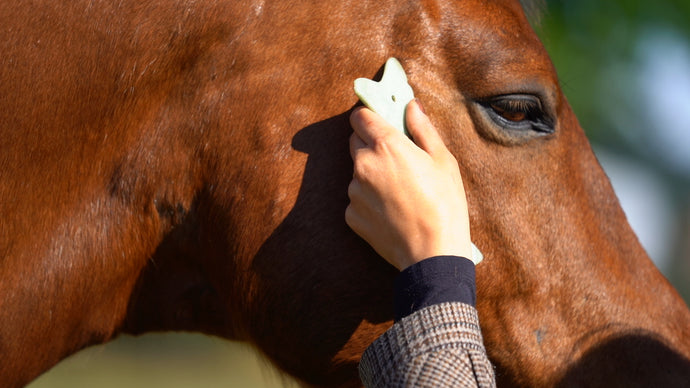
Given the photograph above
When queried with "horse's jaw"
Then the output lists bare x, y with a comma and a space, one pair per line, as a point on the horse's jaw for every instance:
567, 287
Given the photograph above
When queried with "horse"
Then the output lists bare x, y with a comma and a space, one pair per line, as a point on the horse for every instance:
183, 165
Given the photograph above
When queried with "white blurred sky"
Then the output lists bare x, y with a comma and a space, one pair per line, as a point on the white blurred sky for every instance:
659, 125
663, 81
646, 202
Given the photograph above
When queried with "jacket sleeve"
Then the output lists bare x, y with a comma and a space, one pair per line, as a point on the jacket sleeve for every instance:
437, 346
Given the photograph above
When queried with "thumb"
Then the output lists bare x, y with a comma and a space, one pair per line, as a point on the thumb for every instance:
422, 130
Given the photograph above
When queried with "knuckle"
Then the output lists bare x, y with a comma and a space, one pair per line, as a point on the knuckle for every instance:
449, 159
351, 190
361, 171
351, 218
386, 144
348, 214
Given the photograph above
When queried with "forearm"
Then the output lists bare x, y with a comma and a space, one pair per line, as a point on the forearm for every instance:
436, 340
438, 346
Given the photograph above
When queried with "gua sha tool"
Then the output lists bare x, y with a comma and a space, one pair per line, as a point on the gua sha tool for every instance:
389, 98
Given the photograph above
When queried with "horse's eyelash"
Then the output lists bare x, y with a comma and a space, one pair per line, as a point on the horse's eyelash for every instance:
517, 105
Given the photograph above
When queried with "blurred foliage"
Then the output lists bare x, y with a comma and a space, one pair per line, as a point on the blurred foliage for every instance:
586, 37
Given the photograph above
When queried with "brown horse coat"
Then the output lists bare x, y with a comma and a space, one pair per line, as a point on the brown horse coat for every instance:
183, 165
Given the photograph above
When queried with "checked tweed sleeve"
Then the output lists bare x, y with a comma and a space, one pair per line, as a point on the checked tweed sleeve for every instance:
438, 346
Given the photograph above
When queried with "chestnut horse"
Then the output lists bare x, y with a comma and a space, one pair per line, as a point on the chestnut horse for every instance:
183, 165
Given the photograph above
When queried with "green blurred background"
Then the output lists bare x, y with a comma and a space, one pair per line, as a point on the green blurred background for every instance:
625, 68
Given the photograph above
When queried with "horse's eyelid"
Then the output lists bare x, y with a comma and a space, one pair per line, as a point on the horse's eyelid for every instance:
537, 118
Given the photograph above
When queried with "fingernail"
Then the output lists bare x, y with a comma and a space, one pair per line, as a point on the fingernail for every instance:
419, 104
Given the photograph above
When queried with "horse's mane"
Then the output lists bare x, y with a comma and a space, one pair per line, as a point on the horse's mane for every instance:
534, 9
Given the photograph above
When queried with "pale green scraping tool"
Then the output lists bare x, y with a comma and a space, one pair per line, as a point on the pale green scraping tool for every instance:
389, 98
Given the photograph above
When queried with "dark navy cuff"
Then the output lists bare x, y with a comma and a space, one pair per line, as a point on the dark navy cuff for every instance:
435, 280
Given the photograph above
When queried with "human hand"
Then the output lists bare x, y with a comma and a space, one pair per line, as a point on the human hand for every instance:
407, 201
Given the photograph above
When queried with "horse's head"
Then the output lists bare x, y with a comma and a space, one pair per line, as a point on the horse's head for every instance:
563, 270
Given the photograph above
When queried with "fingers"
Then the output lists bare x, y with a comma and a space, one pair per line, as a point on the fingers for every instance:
356, 145
355, 213
369, 126
374, 142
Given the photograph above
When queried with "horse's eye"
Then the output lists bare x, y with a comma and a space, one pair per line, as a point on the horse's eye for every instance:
518, 112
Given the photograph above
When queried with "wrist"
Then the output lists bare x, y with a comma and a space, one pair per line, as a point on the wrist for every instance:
432, 281
457, 248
